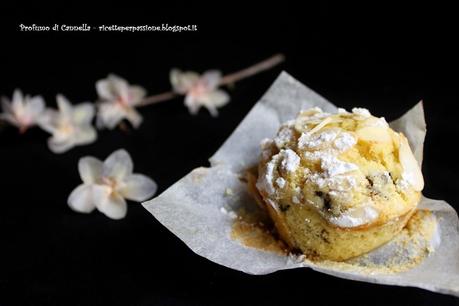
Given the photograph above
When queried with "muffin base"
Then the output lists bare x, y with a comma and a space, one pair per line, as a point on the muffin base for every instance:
307, 231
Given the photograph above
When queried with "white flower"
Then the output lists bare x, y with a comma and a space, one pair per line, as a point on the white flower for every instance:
199, 90
22, 112
106, 185
70, 125
118, 101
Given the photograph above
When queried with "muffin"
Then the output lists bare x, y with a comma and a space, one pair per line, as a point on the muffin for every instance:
338, 185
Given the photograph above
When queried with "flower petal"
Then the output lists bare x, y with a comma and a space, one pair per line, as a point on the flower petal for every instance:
182, 82
192, 104
109, 115
48, 121
112, 88
85, 135
60, 145
110, 204
10, 119
81, 199
104, 90
213, 100
36, 106
118, 165
83, 112
134, 117
17, 102
217, 98
138, 187
136, 94
90, 169
120, 85
64, 105
211, 78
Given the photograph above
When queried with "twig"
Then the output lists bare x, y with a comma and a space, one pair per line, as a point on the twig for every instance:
226, 80
252, 70
168, 95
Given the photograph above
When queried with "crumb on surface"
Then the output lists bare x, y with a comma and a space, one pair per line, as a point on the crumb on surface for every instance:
229, 192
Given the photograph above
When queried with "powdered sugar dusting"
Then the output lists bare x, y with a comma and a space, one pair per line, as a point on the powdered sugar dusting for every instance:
355, 216
317, 140
361, 111
265, 180
339, 186
344, 141
280, 182
287, 160
266, 146
284, 136
321, 143
331, 165
377, 122
290, 160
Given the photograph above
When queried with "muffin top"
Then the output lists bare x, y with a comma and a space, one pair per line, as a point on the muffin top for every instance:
351, 167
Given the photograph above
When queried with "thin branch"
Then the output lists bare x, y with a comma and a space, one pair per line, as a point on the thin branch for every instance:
226, 80
168, 95
252, 70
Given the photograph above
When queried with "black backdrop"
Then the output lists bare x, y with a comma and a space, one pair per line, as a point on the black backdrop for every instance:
382, 58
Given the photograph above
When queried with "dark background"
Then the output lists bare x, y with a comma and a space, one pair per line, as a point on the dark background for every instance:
379, 57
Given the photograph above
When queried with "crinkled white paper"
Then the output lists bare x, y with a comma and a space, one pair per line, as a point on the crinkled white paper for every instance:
191, 208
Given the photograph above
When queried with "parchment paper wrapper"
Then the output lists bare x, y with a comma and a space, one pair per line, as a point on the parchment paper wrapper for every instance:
191, 208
